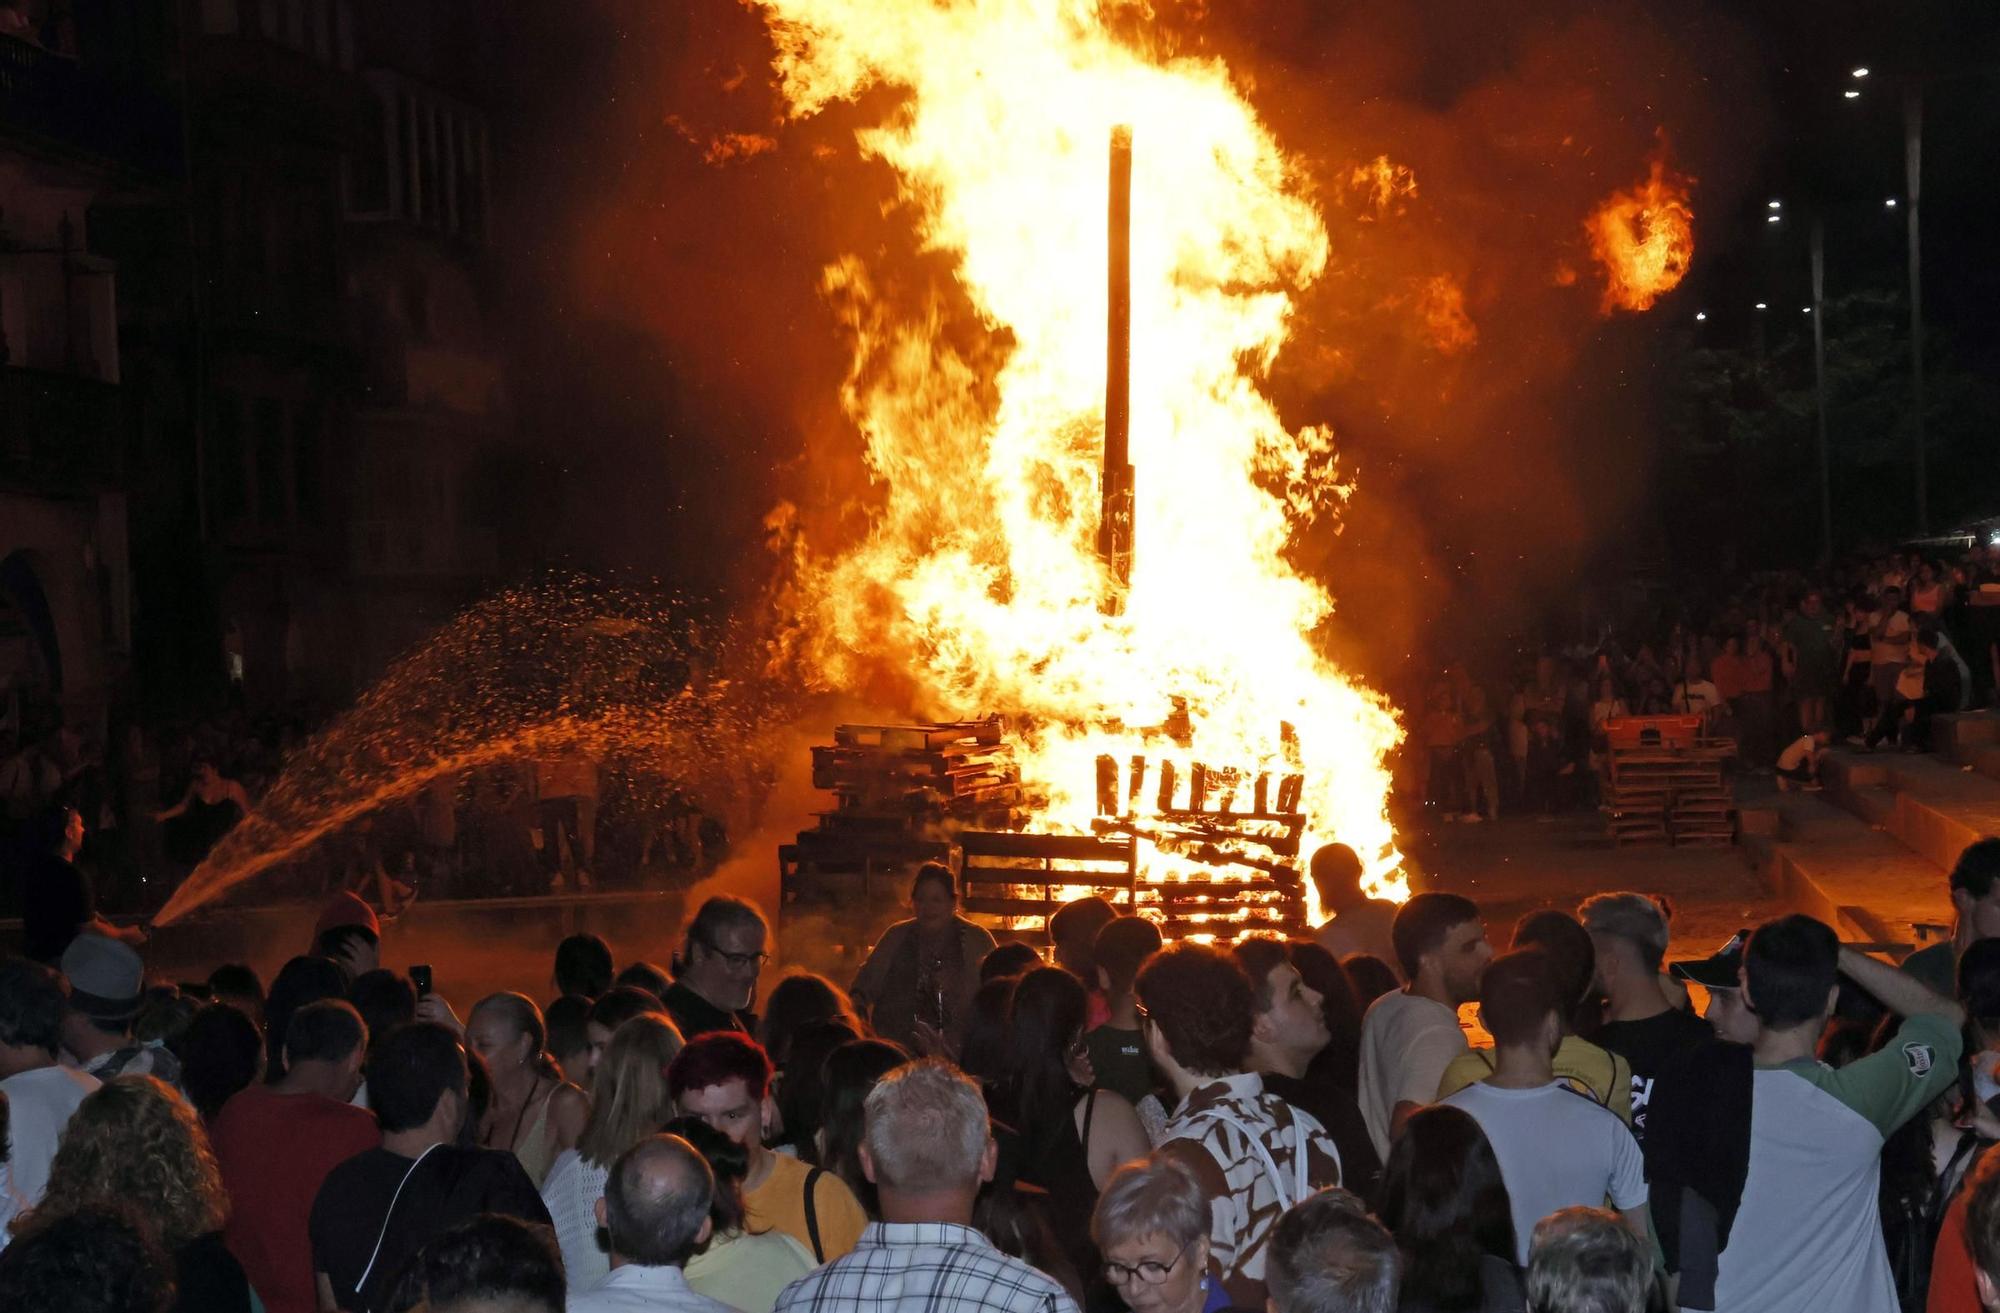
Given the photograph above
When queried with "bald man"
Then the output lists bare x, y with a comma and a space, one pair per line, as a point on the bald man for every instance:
655, 1207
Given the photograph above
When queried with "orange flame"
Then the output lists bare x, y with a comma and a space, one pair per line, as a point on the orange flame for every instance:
979, 577
1644, 239
1441, 301
1381, 187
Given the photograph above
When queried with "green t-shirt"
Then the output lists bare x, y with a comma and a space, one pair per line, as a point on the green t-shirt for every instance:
1118, 1057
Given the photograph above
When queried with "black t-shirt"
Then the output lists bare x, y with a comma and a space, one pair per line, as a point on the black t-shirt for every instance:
55, 902
1336, 1110
695, 1015
446, 1186
1650, 1045
208, 1279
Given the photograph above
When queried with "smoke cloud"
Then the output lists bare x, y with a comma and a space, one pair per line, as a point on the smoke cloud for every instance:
1497, 426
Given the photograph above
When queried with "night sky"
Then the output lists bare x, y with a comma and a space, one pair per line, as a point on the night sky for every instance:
681, 352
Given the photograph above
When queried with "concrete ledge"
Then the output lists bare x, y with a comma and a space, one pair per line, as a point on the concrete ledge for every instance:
1934, 808
1856, 878
1955, 737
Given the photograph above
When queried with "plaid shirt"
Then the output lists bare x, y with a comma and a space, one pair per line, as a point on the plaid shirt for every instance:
925, 1267
1233, 1132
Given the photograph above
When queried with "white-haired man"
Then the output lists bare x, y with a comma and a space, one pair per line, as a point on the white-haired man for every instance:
928, 1147
1586, 1260
1329, 1256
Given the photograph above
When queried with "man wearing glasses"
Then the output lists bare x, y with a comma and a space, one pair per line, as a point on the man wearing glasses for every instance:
719, 963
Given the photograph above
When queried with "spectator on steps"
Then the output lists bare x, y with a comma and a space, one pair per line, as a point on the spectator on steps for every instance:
1799, 763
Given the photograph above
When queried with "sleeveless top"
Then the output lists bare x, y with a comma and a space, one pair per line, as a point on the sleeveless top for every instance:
537, 1150
1057, 1159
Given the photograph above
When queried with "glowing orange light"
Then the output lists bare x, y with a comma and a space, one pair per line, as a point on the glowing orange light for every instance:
1643, 238
979, 579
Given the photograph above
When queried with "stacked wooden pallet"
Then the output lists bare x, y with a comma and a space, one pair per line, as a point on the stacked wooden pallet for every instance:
1664, 783
1012, 883
1225, 848
901, 792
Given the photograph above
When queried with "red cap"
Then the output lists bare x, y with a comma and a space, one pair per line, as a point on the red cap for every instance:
346, 909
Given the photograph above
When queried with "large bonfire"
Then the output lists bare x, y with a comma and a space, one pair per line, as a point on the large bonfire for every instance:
981, 575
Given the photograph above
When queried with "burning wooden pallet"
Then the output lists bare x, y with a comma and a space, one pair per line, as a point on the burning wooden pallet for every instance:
1012, 883
1219, 869
901, 793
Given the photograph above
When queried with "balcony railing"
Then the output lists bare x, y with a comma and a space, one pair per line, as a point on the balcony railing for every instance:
60, 429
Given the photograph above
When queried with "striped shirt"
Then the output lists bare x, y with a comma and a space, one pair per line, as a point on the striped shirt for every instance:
925, 1267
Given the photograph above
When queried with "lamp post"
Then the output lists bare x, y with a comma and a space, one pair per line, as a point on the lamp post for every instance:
1818, 313
1913, 154
1913, 151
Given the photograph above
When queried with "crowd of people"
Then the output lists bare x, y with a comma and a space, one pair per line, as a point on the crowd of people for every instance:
1301, 1126
1868, 652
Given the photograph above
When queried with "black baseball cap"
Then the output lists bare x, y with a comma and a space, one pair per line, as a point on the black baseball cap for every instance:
1719, 970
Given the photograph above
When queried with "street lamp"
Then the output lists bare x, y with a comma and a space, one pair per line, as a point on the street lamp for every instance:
1851, 94
1890, 203
1861, 72
1762, 306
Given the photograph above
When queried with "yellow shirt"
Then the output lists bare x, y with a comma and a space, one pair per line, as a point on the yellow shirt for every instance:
746, 1271
780, 1205
1583, 1066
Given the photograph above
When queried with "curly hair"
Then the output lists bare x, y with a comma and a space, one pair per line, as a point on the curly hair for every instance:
134, 1142
1203, 1004
96, 1260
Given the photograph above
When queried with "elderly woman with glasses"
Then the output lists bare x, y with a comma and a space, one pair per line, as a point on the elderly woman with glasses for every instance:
916, 986
1151, 1225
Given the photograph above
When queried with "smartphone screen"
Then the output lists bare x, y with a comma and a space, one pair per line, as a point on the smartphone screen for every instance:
420, 976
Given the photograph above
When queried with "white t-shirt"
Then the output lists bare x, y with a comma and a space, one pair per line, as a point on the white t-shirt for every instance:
1797, 753
1700, 695
39, 1103
1407, 1041
1892, 643
1557, 1149
1808, 1231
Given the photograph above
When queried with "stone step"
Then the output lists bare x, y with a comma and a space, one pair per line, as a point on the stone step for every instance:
1933, 807
1859, 879
1956, 737
1982, 757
